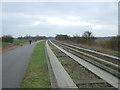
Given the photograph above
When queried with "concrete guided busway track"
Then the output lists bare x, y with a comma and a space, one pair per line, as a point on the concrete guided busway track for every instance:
112, 80
62, 77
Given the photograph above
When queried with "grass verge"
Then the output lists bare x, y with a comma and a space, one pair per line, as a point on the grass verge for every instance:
37, 75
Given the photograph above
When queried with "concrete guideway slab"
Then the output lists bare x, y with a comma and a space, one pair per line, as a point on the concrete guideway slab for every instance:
112, 80
62, 77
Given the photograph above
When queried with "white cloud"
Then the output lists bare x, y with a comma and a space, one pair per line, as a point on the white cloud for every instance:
73, 18
104, 27
69, 18
98, 26
37, 23
65, 22
34, 24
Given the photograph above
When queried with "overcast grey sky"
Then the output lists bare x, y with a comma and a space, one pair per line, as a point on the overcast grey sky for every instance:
51, 18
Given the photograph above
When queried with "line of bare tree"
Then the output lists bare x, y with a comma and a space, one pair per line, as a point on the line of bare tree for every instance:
37, 37
10, 39
86, 38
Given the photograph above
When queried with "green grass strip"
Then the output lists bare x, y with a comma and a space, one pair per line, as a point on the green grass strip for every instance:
37, 75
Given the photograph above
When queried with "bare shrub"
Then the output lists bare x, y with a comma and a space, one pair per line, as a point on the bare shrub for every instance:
8, 39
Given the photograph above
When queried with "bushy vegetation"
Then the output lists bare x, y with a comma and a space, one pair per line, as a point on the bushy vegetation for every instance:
8, 39
113, 43
62, 37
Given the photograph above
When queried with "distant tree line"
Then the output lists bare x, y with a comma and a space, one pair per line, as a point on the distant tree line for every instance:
33, 37
10, 39
88, 39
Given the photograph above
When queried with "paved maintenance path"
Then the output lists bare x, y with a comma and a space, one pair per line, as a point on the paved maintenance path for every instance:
14, 64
